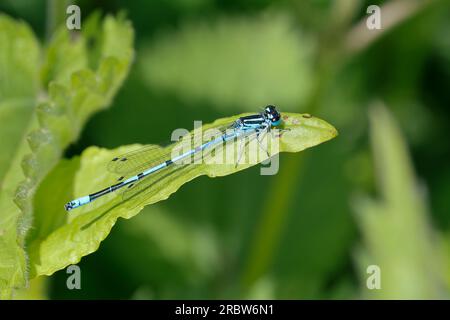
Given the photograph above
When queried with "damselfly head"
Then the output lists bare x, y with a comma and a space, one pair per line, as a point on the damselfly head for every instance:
273, 115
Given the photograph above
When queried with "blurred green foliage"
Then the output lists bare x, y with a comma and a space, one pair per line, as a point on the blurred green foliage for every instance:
396, 230
233, 62
297, 234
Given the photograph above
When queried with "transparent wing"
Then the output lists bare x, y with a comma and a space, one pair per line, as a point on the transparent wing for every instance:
148, 187
136, 161
143, 190
151, 185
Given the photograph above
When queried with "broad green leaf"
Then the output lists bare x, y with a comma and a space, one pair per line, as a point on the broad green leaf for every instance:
397, 235
74, 93
19, 84
64, 56
36, 290
233, 62
47, 217
89, 225
19, 59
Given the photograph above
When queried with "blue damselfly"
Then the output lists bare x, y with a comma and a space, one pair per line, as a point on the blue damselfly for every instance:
138, 167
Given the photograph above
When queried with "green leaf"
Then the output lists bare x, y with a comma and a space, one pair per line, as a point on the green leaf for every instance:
89, 225
233, 62
19, 83
19, 59
64, 56
397, 235
36, 290
74, 93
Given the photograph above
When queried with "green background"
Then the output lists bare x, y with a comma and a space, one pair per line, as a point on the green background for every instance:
311, 230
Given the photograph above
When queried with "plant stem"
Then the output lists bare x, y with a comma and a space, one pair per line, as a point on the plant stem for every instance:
272, 222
